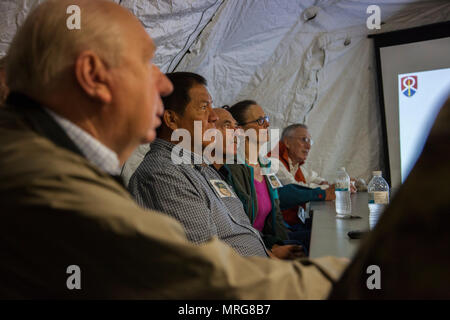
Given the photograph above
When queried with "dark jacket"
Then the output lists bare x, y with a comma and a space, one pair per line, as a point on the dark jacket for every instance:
240, 177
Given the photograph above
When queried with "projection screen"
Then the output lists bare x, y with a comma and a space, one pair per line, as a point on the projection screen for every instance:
415, 82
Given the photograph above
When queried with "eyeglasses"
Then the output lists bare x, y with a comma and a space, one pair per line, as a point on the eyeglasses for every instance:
305, 140
260, 121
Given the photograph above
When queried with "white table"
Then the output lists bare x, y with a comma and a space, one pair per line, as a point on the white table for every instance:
329, 234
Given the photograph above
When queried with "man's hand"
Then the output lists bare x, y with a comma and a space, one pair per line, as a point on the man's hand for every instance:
288, 252
329, 193
271, 255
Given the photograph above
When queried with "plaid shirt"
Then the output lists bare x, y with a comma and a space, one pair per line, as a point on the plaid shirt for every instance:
185, 192
92, 149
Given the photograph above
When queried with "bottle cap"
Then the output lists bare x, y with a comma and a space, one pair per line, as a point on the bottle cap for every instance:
376, 173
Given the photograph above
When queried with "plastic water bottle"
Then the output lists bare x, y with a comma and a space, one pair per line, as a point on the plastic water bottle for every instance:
343, 202
378, 191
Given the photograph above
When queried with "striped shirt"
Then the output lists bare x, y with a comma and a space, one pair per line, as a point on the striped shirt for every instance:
186, 192
92, 149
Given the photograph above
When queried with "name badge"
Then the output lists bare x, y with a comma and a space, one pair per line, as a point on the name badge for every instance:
222, 189
274, 181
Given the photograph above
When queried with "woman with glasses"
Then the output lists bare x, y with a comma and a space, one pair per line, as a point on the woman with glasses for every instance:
252, 119
239, 177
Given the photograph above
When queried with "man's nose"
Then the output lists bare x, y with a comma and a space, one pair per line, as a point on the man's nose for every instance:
212, 116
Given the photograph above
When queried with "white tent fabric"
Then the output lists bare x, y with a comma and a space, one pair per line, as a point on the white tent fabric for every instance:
320, 71
302, 61
173, 25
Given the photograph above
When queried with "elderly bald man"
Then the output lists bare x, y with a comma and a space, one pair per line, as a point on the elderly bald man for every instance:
80, 102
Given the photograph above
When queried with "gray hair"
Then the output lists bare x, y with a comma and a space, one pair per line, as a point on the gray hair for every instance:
287, 132
44, 48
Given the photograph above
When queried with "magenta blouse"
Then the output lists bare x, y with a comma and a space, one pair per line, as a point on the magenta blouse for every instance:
264, 204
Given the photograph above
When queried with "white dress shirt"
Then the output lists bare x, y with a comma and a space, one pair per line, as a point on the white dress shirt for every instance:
92, 149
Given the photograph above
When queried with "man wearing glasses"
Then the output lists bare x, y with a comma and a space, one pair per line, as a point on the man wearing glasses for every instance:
295, 144
260, 121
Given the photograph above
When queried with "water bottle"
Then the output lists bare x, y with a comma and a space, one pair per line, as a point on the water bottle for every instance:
343, 202
378, 192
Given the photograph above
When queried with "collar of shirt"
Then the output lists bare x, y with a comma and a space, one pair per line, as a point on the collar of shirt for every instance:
92, 149
187, 156
293, 168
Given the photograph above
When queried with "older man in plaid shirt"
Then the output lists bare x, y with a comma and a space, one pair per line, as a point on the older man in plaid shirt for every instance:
192, 193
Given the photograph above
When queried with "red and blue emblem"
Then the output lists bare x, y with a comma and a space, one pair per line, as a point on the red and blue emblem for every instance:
409, 85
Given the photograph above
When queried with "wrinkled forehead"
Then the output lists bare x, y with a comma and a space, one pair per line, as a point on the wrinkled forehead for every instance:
199, 93
149, 47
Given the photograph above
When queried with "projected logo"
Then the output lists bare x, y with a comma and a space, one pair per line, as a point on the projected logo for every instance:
409, 85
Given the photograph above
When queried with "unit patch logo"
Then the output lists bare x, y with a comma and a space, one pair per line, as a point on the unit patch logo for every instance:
409, 85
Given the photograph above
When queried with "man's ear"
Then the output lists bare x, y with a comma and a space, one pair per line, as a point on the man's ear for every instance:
170, 119
287, 143
93, 76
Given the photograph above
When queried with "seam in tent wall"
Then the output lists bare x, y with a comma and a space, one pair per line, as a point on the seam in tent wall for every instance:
185, 48
338, 97
174, 25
